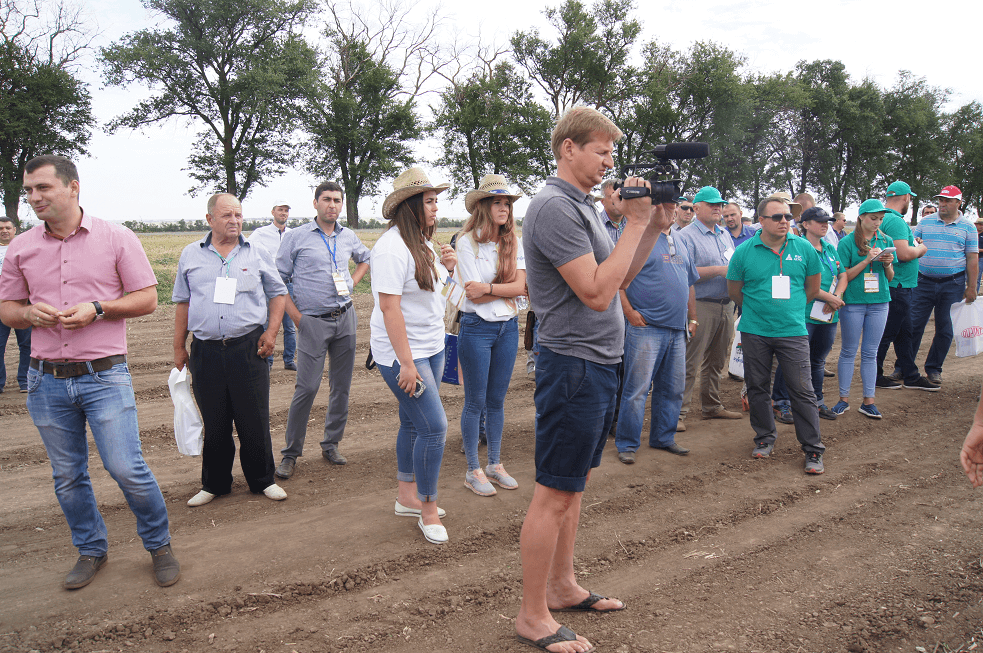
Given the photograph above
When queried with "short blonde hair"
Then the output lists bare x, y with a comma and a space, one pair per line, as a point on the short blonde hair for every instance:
580, 125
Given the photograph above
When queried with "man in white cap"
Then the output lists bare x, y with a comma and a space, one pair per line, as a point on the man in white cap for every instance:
946, 274
270, 238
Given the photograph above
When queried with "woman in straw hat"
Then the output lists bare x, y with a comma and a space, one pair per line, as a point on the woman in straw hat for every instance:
407, 338
491, 266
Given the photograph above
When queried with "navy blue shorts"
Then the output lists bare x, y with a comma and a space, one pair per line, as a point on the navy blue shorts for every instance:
575, 401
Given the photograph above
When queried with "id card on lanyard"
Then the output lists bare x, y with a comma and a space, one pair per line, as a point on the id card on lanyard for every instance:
225, 287
340, 283
781, 286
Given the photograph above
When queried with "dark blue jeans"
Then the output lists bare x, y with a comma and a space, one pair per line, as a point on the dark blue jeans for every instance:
938, 296
821, 337
899, 331
24, 347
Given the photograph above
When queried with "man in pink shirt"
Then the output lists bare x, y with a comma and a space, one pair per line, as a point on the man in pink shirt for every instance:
75, 279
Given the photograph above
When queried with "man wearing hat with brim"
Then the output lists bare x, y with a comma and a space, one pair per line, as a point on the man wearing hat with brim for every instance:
710, 247
898, 327
946, 274
270, 236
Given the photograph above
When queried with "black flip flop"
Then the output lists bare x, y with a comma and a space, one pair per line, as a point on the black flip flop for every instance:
563, 634
587, 605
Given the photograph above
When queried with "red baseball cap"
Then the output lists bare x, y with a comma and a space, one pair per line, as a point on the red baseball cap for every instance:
951, 192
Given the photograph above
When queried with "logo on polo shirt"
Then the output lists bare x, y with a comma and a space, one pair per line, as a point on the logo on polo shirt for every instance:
793, 258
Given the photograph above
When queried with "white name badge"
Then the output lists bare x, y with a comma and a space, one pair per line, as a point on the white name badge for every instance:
781, 287
728, 253
225, 290
340, 285
870, 282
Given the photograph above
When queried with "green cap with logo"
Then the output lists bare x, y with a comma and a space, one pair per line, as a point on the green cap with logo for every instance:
708, 194
872, 206
900, 188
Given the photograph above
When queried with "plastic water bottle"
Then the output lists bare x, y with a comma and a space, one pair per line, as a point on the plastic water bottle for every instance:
522, 302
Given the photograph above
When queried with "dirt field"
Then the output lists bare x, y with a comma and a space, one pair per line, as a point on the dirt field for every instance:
712, 552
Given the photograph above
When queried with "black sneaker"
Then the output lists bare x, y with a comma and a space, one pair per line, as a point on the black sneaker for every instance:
934, 378
896, 375
887, 383
922, 384
84, 571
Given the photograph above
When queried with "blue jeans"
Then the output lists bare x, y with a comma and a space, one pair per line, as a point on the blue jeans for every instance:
24, 348
939, 296
289, 334
487, 354
898, 330
422, 426
655, 357
858, 320
60, 409
821, 337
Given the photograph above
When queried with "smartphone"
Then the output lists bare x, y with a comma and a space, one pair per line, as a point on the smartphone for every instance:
419, 389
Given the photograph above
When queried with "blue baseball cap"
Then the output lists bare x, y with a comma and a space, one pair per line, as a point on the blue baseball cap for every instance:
899, 188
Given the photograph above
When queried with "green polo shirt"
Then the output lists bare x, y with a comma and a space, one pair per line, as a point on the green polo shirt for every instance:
831, 269
896, 227
755, 264
850, 257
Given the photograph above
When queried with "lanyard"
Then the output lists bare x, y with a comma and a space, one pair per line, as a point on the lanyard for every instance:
334, 263
226, 262
830, 263
780, 252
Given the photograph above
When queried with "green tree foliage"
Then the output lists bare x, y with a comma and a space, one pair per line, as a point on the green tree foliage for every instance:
492, 124
582, 65
44, 108
359, 126
963, 144
238, 67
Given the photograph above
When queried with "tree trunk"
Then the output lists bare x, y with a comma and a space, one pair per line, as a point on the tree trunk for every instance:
11, 202
352, 205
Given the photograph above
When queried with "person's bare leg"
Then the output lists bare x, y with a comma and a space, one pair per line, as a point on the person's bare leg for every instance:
407, 496
562, 589
537, 545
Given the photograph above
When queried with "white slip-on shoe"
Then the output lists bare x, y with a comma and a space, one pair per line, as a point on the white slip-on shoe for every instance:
403, 511
200, 499
275, 492
436, 533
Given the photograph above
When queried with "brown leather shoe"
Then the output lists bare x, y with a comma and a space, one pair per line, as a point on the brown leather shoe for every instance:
680, 426
84, 571
167, 570
723, 413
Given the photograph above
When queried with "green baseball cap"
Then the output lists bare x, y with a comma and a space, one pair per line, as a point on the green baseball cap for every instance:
900, 188
708, 194
872, 206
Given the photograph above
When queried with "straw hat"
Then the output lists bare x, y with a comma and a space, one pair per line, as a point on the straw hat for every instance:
785, 197
489, 186
411, 182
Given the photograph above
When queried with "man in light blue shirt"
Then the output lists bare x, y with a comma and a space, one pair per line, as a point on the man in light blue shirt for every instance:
316, 257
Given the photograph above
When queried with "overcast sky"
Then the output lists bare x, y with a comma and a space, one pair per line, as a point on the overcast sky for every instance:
138, 175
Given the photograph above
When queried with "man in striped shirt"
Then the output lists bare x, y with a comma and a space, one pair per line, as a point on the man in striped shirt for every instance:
946, 274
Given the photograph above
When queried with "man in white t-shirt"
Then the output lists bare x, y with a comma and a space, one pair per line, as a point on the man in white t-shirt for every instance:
270, 238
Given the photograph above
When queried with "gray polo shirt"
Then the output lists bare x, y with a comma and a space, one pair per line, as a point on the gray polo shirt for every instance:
707, 247
257, 281
309, 257
561, 225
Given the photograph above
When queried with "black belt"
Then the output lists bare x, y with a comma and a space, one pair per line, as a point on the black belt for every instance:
336, 313
229, 342
71, 370
941, 279
715, 301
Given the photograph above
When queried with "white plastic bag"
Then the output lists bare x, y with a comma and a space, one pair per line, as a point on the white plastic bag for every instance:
967, 327
737, 352
187, 424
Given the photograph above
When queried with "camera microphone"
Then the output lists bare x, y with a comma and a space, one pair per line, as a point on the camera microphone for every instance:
682, 151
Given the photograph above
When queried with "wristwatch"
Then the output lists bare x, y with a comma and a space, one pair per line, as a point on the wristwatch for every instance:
694, 322
99, 312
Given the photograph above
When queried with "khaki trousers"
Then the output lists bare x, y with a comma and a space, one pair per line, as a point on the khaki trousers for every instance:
709, 349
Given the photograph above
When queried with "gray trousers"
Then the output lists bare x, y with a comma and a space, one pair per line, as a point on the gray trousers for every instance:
318, 338
792, 353
707, 355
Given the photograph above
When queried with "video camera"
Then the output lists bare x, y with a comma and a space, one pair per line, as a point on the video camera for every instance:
665, 188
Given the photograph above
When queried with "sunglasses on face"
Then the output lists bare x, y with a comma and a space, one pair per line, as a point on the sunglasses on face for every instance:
778, 217
686, 208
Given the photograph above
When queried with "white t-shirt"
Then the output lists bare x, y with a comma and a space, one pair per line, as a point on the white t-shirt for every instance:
393, 273
482, 266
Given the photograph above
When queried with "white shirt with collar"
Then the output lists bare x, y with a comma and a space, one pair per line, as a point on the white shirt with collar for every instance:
268, 237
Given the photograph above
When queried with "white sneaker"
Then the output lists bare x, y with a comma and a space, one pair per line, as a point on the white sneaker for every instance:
436, 533
200, 499
275, 492
403, 511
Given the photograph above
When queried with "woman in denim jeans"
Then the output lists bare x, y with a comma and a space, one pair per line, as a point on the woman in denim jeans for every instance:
407, 339
867, 296
492, 268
